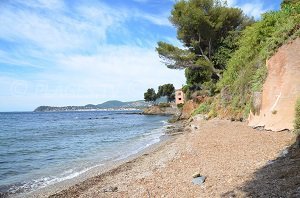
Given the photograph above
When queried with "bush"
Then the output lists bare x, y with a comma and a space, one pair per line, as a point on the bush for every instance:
163, 105
297, 116
246, 70
179, 106
202, 109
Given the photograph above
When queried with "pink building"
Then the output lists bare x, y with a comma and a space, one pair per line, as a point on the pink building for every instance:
179, 96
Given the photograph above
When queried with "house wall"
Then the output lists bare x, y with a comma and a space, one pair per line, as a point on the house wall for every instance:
179, 97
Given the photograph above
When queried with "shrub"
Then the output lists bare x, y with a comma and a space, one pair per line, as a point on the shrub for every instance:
162, 105
179, 106
297, 116
203, 108
246, 70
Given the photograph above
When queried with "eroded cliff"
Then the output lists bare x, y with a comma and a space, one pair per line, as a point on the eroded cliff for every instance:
280, 91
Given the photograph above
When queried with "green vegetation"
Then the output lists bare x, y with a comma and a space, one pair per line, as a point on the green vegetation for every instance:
226, 52
297, 123
150, 95
246, 70
202, 109
163, 105
180, 106
166, 90
209, 30
289, 2
297, 116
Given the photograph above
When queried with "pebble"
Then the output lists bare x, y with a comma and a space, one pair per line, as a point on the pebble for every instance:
199, 180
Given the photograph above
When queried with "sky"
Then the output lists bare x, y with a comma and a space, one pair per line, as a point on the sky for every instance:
65, 52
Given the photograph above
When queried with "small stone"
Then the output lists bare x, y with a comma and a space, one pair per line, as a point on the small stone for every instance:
199, 180
114, 189
111, 189
195, 175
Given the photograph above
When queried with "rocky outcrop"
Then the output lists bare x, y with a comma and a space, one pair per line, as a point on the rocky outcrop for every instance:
156, 110
187, 109
280, 91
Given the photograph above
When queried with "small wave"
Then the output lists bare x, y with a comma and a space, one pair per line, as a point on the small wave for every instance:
165, 122
43, 182
154, 137
101, 118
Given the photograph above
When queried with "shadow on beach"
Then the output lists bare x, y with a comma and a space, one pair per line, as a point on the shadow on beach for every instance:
279, 178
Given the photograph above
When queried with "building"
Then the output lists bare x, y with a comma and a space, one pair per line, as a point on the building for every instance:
179, 96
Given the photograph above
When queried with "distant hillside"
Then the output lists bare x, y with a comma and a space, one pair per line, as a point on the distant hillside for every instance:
112, 104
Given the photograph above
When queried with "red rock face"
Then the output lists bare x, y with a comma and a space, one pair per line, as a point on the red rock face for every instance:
281, 90
188, 109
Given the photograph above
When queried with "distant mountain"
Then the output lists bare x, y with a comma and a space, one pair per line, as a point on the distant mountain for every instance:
111, 105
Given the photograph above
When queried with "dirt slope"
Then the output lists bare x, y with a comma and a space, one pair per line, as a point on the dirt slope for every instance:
281, 90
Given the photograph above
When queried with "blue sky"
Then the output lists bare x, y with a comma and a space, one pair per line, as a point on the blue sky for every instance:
65, 52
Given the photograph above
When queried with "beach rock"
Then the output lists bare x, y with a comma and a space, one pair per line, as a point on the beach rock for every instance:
157, 110
111, 189
200, 117
187, 109
194, 127
199, 180
195, 175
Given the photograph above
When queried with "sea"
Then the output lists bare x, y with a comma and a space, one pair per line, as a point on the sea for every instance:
38, 149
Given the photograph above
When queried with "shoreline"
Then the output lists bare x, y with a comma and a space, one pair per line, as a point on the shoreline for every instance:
222, 151
167, 137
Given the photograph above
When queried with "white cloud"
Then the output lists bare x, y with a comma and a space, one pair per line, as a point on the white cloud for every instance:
43, 4
141, 1
254, 9
156, 19
231, 3
122, 69
70, 52
112, 73
56, 31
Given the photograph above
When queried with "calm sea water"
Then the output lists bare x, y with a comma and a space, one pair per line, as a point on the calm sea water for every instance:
39, 149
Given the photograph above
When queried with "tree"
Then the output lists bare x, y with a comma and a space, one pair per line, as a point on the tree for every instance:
167, 90
288, 2
203, 27
150, 95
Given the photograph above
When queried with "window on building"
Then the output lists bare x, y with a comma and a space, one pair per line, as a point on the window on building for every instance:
179, 98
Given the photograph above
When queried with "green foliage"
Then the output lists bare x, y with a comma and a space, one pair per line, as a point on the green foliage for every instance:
167, 90
197, 75
288, 2
209, 30
246, 70
259, 78
150, 95
201, 24
203, 108
297, 115
163, 105
174, 57
226, 47
180, 106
